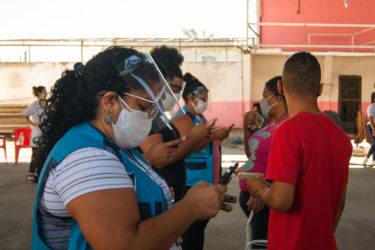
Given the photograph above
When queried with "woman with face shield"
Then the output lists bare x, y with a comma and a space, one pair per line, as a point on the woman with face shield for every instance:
200, 166
160, 149
94, 191
257, 146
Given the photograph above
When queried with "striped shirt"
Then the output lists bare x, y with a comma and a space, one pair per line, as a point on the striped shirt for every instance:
83, 171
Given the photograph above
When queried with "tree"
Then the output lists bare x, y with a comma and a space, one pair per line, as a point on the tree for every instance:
192, 33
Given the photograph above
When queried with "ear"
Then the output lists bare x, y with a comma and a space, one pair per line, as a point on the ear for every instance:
320, 90
109, 100
280, 87
190, 98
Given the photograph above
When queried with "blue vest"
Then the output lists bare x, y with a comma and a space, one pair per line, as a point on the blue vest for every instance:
150, 196
199, 165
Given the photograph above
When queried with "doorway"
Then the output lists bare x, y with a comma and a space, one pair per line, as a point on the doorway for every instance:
350, 89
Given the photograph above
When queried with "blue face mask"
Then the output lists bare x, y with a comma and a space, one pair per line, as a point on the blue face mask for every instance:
265, 107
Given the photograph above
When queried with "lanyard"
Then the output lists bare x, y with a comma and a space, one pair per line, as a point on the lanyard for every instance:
168, 197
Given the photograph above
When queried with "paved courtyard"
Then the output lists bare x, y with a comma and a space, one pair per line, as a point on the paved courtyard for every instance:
226, 231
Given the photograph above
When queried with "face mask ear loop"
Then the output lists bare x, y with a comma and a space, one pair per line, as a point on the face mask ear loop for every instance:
124, 103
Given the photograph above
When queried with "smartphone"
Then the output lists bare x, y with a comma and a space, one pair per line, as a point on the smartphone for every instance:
211, 122
226, 176
231, 126
250, 175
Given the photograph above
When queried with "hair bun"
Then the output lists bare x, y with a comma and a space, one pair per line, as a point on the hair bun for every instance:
188, 77
79, 69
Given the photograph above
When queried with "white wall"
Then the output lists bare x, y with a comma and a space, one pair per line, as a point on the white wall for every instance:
17, 79
230, 83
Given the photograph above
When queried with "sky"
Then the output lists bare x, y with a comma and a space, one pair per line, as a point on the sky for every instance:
113, 18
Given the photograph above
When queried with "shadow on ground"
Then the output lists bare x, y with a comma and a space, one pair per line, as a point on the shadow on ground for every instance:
225, 232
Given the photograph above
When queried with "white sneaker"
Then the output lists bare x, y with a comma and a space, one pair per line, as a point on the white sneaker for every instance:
365, 161
371, 163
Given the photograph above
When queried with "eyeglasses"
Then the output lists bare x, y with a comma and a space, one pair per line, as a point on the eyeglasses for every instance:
177, 87
153, 108
204, 99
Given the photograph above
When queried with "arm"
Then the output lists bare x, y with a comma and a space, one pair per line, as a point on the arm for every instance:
248, 121
150, 140
186, 128
216, 134
340, 210
27, 112
30, 122
122, 228
247, 134
159, 154
279, 195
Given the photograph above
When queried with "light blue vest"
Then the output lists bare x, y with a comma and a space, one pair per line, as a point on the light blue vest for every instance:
150, 196
199, 165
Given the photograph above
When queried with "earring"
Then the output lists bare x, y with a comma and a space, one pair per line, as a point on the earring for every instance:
108, 117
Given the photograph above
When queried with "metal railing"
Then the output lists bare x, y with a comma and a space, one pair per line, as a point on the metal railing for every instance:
101, 43
367, 27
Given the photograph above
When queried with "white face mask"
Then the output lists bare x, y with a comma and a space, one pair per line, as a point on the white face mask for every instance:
265, 107
132, 127
178, 96
200, 107
168, 102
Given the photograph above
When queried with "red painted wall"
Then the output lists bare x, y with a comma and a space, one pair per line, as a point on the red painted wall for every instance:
316, 11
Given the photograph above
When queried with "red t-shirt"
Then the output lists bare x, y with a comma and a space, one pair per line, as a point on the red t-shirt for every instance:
312, 153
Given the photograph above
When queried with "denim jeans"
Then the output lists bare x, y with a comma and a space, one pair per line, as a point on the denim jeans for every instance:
372, 149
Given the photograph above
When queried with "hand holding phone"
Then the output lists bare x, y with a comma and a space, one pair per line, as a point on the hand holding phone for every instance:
226, 176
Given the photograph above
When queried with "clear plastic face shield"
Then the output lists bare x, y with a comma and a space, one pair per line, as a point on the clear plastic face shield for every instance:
141, 73
200, 92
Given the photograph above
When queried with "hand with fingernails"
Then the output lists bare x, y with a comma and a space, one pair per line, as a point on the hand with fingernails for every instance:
249, 120
160, 153
206, 200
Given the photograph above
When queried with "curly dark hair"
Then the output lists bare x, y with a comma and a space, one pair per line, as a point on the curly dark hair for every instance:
74, 98
170, 59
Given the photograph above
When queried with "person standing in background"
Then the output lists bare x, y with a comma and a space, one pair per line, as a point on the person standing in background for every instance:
32, 115
159, 149
307, 171
204, 164
257, 147
371, 129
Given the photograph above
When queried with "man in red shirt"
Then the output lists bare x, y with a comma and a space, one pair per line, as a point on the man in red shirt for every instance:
308, 166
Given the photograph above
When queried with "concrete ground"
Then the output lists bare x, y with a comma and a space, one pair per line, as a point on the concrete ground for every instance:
225, 232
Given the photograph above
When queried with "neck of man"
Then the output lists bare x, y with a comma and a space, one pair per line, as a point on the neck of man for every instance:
297, 104
279, 112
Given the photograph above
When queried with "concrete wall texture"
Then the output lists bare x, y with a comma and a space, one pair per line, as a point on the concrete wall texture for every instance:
268, 66
234, 86
17, 79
